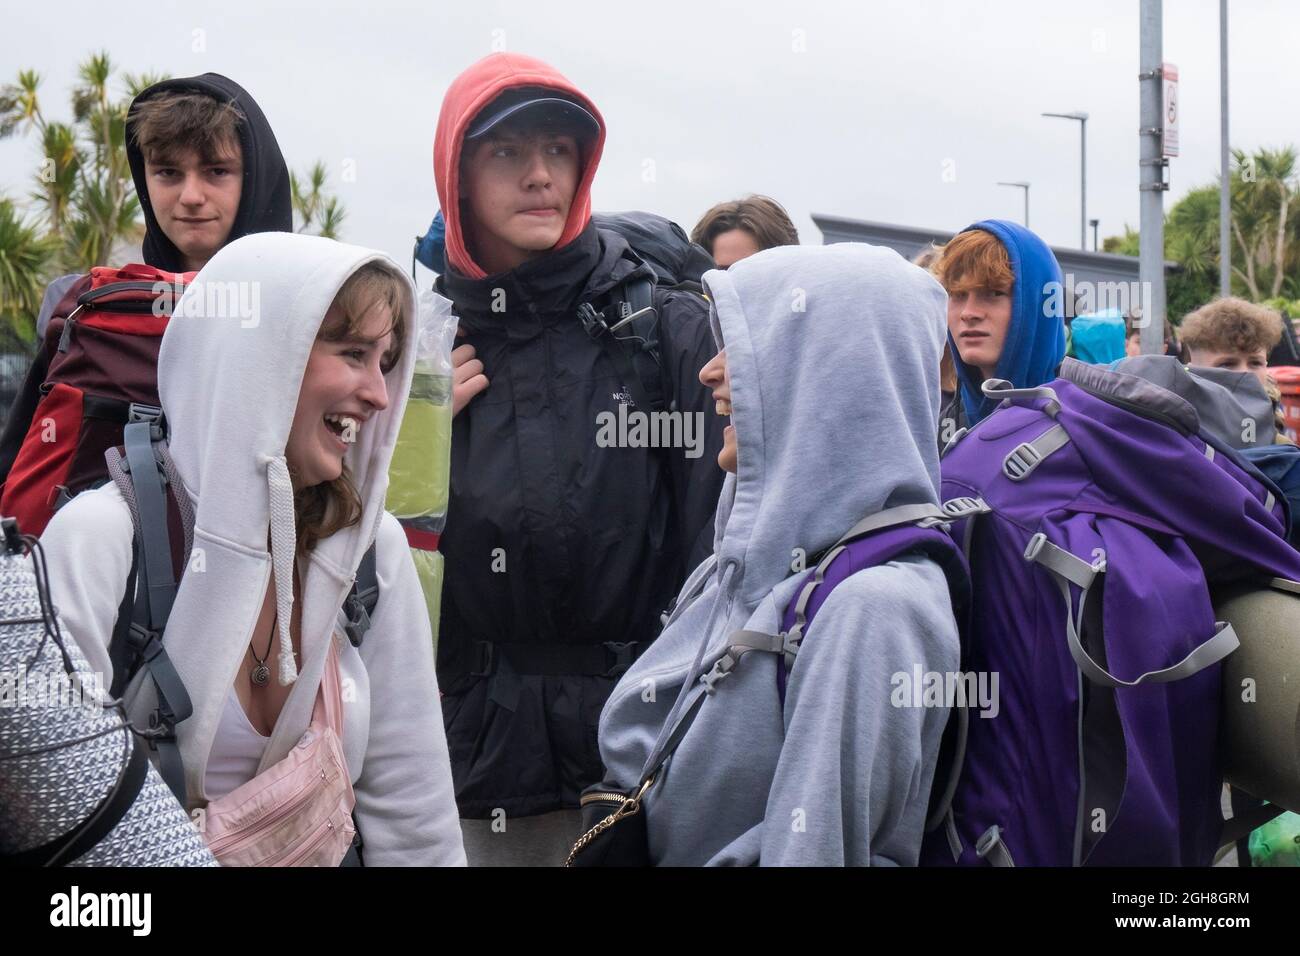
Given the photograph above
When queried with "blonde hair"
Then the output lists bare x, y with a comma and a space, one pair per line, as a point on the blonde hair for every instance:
321, 510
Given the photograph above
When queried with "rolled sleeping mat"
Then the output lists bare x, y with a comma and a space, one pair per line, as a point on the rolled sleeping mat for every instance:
1261, 690
76, 786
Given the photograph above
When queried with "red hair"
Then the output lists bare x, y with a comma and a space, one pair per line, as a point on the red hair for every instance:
975, 259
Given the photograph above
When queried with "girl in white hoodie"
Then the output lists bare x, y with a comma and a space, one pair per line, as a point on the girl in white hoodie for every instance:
283, 375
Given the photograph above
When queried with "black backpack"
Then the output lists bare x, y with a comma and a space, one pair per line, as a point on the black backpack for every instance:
629, 323
164, 523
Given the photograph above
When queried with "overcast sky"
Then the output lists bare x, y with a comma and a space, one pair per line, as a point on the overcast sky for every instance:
853, 108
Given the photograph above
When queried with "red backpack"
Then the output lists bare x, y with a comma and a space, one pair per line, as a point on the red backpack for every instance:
96, 371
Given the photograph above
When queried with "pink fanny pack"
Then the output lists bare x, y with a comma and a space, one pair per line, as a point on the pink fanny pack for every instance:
299, 811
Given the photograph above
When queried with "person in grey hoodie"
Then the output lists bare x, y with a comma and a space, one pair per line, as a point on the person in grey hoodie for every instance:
829, 370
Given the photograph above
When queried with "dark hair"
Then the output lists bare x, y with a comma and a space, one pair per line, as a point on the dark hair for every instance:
1173, 346
171, 121
761, 217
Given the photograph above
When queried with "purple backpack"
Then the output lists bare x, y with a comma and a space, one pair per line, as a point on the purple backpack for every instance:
1096, 515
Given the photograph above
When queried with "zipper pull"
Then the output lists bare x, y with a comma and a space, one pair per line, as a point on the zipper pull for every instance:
65, 339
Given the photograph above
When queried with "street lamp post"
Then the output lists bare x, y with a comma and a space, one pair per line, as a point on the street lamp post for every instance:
1094, 223
1082, 117
1025, 187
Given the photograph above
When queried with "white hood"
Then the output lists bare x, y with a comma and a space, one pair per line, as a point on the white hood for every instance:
229, 374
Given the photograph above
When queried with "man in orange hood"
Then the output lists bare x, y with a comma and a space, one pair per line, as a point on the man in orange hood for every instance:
562, 547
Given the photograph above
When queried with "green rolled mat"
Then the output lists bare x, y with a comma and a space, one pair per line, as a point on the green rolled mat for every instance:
1261, 690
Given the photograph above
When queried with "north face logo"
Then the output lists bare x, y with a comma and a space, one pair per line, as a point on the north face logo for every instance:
623, 396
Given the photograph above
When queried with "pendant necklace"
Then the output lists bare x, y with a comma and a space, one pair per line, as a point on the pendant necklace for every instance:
261, 674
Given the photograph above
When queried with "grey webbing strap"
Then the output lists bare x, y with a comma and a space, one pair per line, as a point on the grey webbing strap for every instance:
742, 643
1269, 502
1060, 562
990, 847
951, 443
151, 504
1209, 452
943, 809
954, 838
889, 518
1000, 388
1025, 457
1067, 569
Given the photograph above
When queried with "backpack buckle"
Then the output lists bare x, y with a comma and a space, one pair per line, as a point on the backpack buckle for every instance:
144, 641
721, 668
592, 321
623, 656
1021, 462
964, 507
139, 412
357, 619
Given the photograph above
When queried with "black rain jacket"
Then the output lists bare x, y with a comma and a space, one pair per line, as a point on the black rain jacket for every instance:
552, 541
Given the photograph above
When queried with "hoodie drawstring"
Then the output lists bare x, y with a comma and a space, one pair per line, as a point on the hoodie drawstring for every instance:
283, 547
721, 602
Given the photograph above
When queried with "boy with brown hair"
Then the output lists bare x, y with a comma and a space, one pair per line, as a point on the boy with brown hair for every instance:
735, 230
207, 170
1237, 335
1234, 334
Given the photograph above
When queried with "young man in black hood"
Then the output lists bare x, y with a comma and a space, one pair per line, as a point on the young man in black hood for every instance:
207, 170
562, 548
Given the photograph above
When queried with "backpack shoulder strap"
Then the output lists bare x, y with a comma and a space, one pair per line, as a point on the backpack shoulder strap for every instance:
927, 535
359, 605
138, 638
628, 329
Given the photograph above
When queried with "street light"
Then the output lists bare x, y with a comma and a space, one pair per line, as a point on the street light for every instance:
1025, 187
1094, 223
1082, 117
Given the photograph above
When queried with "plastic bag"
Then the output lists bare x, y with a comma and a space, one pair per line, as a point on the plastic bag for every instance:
1277, 843
419, 471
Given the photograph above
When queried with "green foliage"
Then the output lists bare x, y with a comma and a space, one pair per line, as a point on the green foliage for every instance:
25, 257
1264, 193
313, 206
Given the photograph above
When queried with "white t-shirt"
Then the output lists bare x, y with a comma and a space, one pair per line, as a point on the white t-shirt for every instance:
237, 750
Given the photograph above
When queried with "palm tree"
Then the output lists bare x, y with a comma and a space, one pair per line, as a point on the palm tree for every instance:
25, 259
1264, 189
313, 206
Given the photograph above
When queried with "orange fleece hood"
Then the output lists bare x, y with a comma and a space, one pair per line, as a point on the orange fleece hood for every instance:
468, 94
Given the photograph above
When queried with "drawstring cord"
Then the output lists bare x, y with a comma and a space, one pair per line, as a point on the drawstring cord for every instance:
283, 546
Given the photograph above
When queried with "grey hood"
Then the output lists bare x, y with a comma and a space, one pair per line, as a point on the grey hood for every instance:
833, 355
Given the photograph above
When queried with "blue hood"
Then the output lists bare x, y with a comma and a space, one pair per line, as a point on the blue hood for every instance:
1035, 343
1098, 339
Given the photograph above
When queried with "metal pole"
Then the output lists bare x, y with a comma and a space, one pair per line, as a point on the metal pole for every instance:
1083, 182
1225, 172
1082, 119
1025, 187
1151, 176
